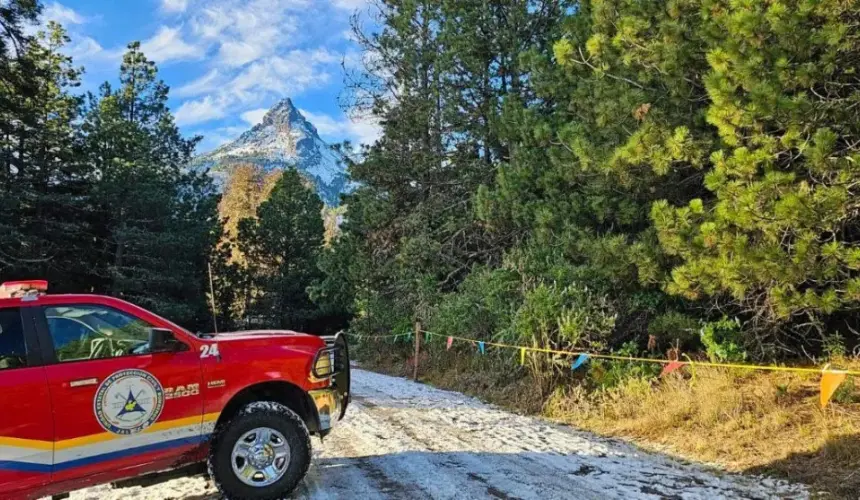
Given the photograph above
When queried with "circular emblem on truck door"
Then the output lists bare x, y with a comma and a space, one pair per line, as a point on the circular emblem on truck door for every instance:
128, 401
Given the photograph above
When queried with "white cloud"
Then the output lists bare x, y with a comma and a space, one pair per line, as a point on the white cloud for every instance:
273, 76
62, 14
249, 52
350, 4
238, 53
365, 130
325, 124
85, 48
245, 31
58, 13
210, 22
254, 51
276, 75
201, 110
254, 116
358, 130
174, 5
168, 45
204, 84
353, 59
323, 55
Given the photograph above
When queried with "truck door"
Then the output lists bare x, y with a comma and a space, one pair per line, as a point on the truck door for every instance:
121, 410
26, 421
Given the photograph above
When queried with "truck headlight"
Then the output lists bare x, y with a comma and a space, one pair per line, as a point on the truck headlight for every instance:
324, 363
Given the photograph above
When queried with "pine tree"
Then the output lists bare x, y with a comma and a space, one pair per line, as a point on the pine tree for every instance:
616, 123
437, 78
156, 220
13, 45
46, 186
281, 246
776, 236
247, 188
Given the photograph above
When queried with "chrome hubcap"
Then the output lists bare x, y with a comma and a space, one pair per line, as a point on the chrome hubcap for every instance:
260, 457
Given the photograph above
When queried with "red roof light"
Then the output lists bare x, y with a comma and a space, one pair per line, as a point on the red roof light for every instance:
25, 289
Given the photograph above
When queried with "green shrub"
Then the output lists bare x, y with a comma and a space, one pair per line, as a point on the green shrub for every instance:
607, 374
834, 346
674, 328
723, 340
846, 393
564, 317
483, 305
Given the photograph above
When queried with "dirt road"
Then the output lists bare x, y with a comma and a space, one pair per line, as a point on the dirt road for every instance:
402, 440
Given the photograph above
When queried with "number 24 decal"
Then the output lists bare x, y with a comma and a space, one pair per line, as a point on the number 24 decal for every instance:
209, 351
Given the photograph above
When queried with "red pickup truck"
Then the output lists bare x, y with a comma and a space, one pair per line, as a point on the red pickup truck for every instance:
96, 390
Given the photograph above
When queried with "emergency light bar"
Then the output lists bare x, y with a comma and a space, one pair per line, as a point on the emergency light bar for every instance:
26, 289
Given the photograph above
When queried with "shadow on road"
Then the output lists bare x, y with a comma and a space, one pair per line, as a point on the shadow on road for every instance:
525, 475
411, 475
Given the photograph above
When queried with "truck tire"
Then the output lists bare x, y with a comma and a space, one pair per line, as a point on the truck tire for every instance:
260, 454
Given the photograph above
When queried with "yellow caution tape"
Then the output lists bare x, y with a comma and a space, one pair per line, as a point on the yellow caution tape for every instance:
524, 349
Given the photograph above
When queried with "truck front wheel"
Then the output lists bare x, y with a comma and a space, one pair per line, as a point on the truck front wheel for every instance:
260, 454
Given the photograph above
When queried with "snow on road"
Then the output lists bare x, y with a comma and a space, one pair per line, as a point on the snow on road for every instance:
402, 440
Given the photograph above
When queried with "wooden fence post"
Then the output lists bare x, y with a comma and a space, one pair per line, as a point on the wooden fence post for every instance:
417, 350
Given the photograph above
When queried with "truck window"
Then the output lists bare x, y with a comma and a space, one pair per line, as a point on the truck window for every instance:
82, 332
13, 351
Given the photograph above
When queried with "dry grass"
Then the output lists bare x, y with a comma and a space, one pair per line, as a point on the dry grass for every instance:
757, 422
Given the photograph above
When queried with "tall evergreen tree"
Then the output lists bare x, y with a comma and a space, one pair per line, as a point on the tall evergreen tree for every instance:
437, 75
658, 164
248, 187
13, 44
155, 220
613, 130
45, 184
777, 236
281, 246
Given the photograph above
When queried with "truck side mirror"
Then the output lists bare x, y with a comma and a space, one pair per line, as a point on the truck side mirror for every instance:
163, 340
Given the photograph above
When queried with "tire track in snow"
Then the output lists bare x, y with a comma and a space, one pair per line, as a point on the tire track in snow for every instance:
405, 460
607, 468
517, 476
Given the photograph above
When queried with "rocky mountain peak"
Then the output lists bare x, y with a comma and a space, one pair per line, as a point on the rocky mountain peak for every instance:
283, 139
284, 112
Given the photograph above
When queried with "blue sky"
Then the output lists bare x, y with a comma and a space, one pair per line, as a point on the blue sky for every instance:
226, 61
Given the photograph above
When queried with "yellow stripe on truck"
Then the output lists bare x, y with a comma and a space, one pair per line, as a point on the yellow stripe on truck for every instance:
101, 437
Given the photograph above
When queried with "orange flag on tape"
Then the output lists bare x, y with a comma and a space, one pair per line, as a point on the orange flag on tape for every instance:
448, 345
670, 367
830, 381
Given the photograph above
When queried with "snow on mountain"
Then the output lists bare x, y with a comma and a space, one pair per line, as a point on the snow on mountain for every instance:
285, 138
